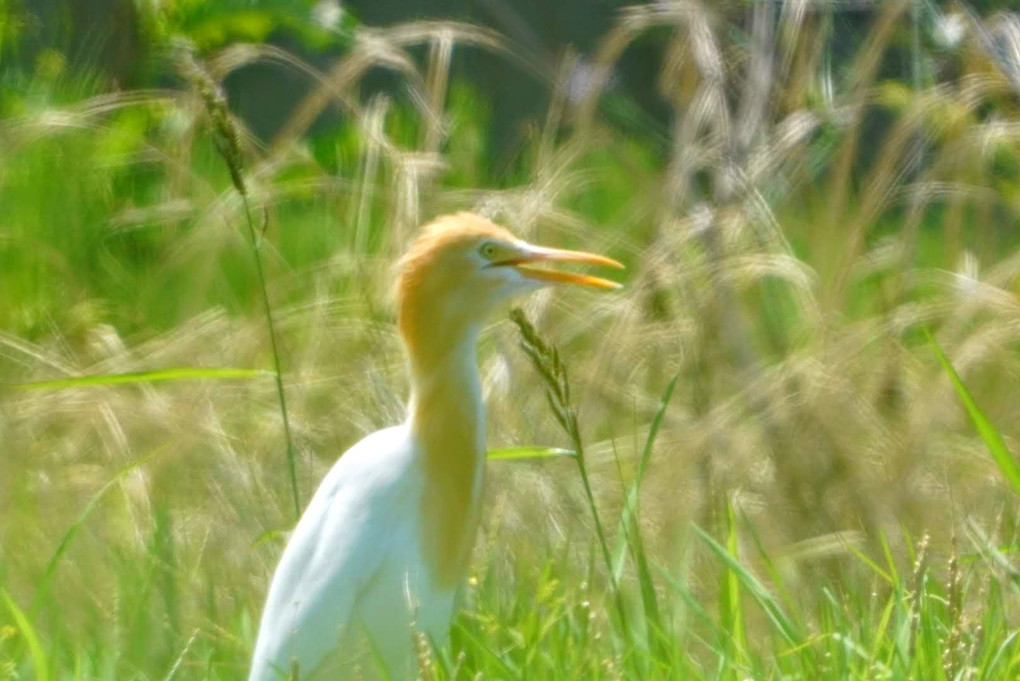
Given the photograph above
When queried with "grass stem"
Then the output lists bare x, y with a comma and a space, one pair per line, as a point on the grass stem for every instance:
228, 144
274, 348
546, 360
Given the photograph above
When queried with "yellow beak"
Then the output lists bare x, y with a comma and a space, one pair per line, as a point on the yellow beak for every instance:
532, 254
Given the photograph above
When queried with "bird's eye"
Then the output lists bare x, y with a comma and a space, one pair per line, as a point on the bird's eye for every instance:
489, 250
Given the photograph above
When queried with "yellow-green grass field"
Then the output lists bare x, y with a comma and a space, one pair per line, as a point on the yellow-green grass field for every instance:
790, 480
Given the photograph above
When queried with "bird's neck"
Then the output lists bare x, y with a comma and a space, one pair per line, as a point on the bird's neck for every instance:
444, 368
447, 419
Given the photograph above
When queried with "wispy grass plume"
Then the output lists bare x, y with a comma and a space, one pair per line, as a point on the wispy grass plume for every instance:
545, 358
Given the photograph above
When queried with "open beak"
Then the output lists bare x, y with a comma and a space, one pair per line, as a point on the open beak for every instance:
530, 255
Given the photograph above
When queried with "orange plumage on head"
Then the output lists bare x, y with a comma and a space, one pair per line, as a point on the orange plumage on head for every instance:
439, 237
426, 269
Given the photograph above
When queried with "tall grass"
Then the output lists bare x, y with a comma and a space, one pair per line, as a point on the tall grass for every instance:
228, 143
785, 482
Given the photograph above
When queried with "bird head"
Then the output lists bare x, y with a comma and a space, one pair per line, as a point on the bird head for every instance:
462, 267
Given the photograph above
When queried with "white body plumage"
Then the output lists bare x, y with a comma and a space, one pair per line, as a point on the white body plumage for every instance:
354, 566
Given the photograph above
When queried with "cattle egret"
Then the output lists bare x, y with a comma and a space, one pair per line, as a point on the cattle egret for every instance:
383, 547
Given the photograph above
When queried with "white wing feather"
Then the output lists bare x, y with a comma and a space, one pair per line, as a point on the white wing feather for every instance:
338, 546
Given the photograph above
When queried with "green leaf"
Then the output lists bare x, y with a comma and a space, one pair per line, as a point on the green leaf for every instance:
515, 453
156, 376
35, 648
993, 440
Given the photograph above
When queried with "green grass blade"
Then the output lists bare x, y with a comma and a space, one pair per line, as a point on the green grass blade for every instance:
630, 537
629, 532
520, 453
155, 376
179, 661
277, 534
738, 574
630, 507
507, 668
43, 585
991, 554
732, 603
872, 565
35, 649
894, 576
783, 599
690, 601
993, 440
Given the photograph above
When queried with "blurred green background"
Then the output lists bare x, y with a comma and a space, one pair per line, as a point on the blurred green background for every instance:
803, 192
